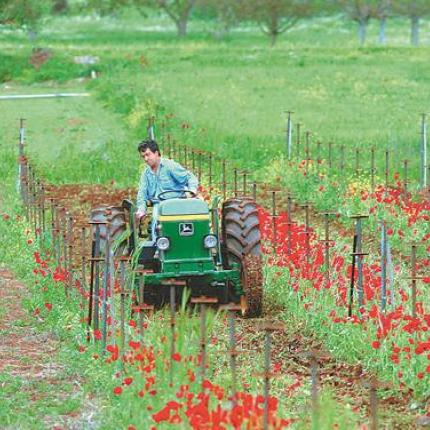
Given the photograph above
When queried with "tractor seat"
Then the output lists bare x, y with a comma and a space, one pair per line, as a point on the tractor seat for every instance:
183, 207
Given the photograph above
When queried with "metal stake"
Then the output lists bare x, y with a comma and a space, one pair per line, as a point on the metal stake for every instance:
423, 152
414, 279
298, 140
289, 133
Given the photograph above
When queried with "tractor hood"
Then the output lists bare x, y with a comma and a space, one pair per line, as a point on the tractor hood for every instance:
183, 207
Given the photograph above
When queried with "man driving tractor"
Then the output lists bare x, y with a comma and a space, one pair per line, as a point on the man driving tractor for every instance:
161, 176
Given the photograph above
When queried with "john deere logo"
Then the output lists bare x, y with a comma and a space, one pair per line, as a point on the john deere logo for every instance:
186, 228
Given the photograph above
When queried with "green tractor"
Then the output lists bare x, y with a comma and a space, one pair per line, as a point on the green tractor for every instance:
214, 251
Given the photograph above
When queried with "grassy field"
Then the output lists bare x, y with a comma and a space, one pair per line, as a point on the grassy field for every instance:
234, 92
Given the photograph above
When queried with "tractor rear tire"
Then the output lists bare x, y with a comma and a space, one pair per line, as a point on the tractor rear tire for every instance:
241, 239
114, 218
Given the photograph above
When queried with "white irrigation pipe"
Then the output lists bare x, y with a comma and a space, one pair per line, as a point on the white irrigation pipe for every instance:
43, 96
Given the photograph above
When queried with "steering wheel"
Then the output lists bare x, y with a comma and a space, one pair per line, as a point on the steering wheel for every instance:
181, 194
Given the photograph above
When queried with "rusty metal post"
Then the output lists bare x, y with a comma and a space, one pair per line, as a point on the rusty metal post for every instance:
186, 156
193, 160
203, 301
141, 304
22, 170
267, 347
200, 161
224, 179
384, 265
34, 199
307, 232
210, 173
274, 220
298, 139
83, 265
94, 305
70, 251
315, 390
351, 288
359, 256
38, 207
235, 182
373, 403
330, 156
169, 147
254, 191
342, 158
172, 328
387, 167
122, 304
405, 177
289, 222
307, 150
289, 134
233, 352
63, 228
59, 235
414, 279
357, 161
43, 207
245, 183
327, 241
360, 291
106, 278
53, 234
319, 161
203, 341
423, 153
267, 374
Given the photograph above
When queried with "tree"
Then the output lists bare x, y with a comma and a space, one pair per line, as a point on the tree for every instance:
275, 17
360, 11
226, 12
106, 7
382, 12
26, 14
414, 10
179, 11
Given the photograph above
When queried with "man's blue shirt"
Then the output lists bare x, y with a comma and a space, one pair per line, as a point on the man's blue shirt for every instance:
170, 176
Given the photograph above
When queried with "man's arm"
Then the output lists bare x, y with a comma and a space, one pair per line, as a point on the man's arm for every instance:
183, 176
142, 195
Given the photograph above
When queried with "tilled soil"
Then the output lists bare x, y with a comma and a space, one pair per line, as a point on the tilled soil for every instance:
347, 381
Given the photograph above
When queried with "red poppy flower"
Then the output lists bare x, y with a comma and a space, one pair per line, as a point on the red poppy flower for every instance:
117, 390
127, 381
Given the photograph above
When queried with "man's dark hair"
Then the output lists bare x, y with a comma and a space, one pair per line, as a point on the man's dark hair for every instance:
150, 144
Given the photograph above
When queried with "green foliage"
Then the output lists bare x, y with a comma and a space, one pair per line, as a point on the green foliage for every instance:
26, 14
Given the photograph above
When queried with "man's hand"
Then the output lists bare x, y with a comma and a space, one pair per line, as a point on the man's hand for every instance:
139, 215
191, 194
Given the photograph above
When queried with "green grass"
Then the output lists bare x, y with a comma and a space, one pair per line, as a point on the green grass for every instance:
237, 90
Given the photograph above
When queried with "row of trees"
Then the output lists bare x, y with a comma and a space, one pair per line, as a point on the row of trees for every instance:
273, 17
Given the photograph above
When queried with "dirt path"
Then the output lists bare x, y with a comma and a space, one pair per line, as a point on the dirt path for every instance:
36, 390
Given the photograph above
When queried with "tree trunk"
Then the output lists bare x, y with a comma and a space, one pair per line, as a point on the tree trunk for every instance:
415, 30
273, 37
362, 32
181, 25
382, 23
